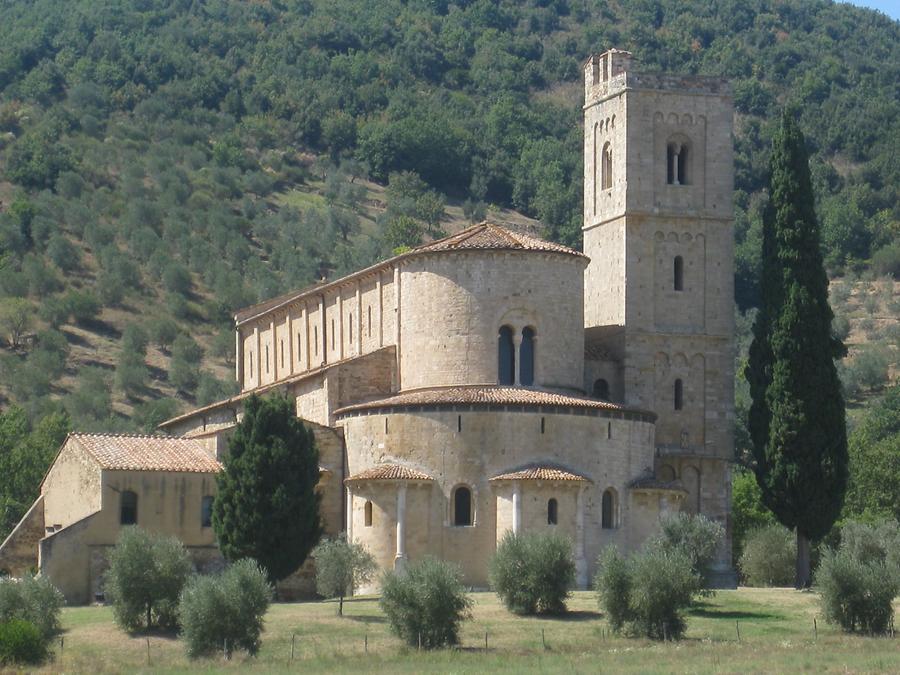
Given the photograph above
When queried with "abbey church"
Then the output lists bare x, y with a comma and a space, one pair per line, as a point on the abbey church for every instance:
486, 382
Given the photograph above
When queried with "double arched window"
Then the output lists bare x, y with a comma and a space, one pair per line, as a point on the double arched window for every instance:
506, 357
462, 506
678, 395
677, 163
128, 508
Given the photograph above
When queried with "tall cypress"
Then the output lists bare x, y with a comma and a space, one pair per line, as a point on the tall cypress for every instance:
266, 507
797, 418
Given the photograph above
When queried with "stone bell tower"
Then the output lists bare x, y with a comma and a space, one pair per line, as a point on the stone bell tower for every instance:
659, 296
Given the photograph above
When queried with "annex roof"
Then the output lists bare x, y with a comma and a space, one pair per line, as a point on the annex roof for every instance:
490, 395
389, 472
542, 472
122, 452
483, 236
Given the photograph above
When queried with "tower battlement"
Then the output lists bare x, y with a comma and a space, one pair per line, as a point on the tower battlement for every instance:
614, 71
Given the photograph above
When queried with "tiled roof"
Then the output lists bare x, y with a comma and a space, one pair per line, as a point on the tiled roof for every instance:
541, 472
483, 236
120, 452
489, 236
648, 482
390, 472
488, 395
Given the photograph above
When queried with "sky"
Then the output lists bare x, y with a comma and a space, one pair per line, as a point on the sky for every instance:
889, 7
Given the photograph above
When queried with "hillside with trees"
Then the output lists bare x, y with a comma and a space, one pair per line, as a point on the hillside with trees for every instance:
163, 163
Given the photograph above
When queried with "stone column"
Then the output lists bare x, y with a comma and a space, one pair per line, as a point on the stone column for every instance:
258, 348
517, 507
400, 558
517, 344
239, 359
340, 323
349, 515
675, 155
289, 329
581, 575
359, 319
397, 319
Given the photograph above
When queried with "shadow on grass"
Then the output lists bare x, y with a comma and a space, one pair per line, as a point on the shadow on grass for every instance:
711, 612
573, 615
366, 619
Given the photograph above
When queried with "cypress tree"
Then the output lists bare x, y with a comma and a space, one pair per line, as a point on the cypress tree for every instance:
266, 507
797, 421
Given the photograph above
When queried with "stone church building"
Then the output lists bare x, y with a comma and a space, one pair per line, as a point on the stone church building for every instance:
482, 383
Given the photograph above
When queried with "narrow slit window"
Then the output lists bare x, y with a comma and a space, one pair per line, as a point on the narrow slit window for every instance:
332, 333
679, 395
316, 340
608, 430
678, 273
350, 326
543, 426
526, 357
367, 509
552, 512
267, 358
281, 347
608, 510
459, 423
601, 389
206, 509
606, 171
507, 356
128, 508
462, 506
369, 311
250, 355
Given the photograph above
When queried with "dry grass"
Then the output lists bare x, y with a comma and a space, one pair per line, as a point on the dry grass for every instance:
776, 635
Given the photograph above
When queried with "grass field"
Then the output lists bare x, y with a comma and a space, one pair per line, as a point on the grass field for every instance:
775, 625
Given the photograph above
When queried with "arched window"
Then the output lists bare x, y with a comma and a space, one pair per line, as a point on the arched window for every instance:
678, 273
526, 358
679, 395
608, 510
128, 508
206, 506
506, 373
606, 174
462, 506
601, 389
367, 509
552, 512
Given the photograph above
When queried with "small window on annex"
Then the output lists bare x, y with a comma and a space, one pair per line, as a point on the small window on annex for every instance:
601, 389
608, 510
506, 351
552, 512
367, 514
462, 506
678, 273
526, 357
206, 506
128, 508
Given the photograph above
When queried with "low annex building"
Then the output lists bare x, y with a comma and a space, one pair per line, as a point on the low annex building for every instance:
491, 381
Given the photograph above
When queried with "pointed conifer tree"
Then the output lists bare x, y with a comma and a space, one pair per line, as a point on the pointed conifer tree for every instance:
797, 416
266, 506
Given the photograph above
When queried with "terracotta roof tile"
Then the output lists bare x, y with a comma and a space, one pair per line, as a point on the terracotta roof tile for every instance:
541, 472
121, 452
390, 472
483, 236
488, 395
649, 482
489, 236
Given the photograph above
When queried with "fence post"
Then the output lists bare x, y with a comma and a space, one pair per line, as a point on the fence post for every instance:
293, 636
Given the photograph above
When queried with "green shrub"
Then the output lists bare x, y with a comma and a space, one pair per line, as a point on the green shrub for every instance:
147, 573
532, 573
426, 604
769, 556
613, 585
341, 566
647, 593
34, 600
857, 595
696, 536
860, 580
21, 642
225, 611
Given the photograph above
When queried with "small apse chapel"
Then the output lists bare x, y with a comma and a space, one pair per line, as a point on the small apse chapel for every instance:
485, 382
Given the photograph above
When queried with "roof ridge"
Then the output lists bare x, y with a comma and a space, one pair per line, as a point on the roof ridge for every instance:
101, 434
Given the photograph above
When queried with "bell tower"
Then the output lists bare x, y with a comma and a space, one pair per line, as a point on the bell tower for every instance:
659, 295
